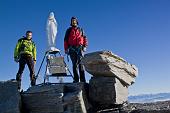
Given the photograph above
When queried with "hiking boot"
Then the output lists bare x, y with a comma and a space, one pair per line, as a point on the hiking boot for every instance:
75, 81
33, 82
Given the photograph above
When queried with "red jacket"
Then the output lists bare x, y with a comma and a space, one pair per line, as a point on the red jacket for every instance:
74, 37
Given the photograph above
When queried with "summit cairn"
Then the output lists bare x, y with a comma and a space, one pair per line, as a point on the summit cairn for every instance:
111, 77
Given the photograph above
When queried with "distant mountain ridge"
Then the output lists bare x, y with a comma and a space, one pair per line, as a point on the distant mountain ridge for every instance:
147, 98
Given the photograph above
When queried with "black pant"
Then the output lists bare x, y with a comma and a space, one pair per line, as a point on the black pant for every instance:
76, 59
26, 59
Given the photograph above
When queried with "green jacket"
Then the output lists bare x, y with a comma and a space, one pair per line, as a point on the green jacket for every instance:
25, 46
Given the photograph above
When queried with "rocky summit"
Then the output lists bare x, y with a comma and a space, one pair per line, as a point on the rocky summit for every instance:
106, 92
67, 98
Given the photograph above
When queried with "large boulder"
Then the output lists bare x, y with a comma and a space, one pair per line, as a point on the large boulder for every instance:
10, 100
56, 98
105, 63
43, 99
76, 98
106, 92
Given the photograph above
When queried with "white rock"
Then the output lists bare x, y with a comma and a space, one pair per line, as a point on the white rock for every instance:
105, 63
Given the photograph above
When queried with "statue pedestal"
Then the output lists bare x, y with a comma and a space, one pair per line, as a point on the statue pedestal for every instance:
53, 50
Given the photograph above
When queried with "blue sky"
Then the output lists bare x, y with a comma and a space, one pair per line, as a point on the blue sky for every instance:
136, 30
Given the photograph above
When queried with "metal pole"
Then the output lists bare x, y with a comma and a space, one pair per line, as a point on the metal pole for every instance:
40, 66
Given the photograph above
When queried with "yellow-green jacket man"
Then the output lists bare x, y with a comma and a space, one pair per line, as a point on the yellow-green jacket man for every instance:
25, 53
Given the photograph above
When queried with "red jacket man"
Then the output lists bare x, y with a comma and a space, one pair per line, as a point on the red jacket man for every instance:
75, 43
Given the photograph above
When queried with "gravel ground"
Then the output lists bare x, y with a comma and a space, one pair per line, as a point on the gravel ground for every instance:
155, 107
